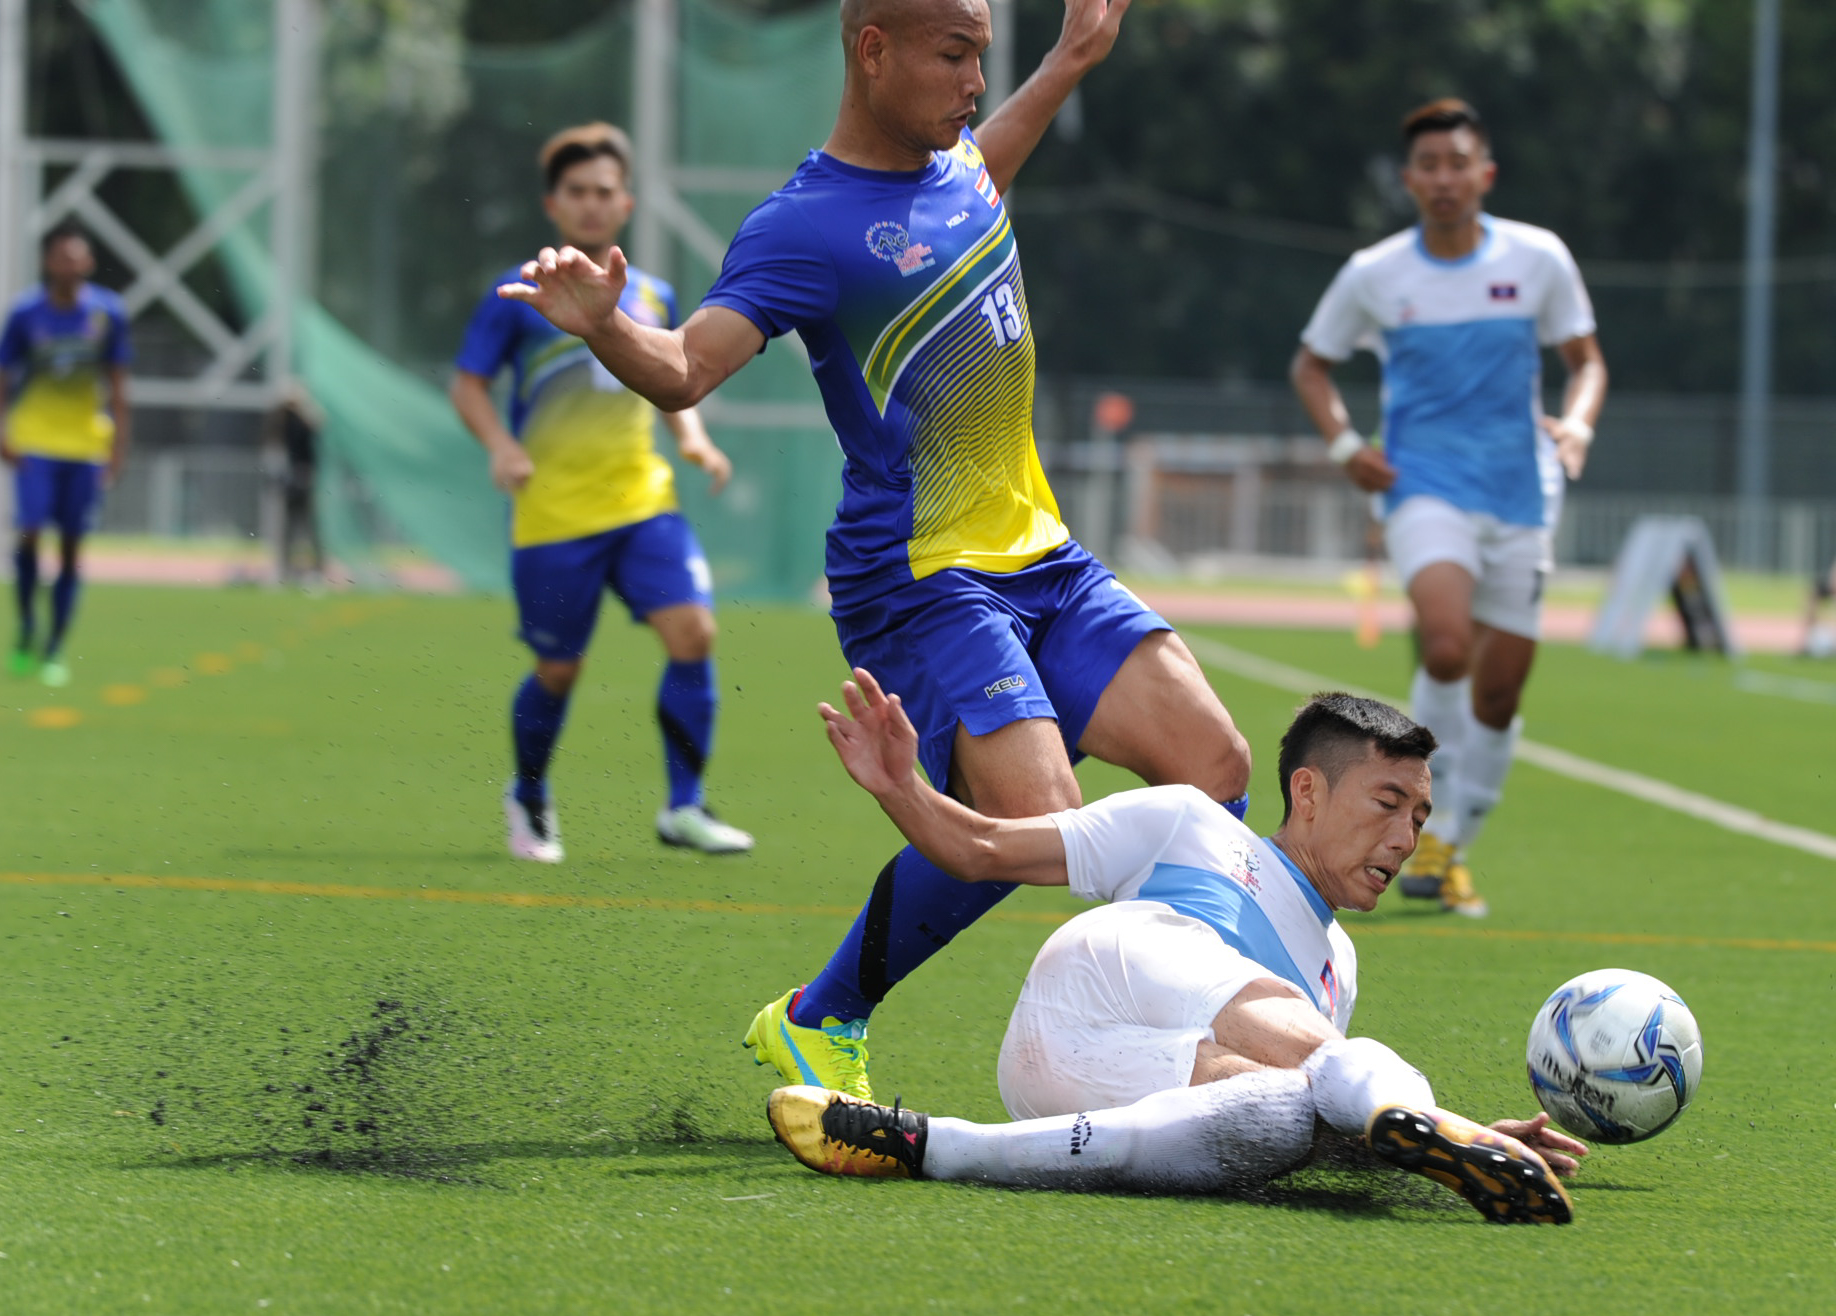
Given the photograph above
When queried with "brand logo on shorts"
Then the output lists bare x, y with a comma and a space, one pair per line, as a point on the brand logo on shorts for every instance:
1005, 683
1504, 292
890, 241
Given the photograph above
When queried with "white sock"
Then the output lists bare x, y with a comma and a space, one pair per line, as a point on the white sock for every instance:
1355, 1077
1445, 708
1242, 1131
1485, 759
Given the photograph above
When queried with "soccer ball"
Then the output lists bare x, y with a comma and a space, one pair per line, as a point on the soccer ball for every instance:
1614, 1056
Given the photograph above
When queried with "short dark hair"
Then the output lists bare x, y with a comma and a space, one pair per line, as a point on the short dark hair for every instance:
64, 230
1443, 116
584, 141
1332, 731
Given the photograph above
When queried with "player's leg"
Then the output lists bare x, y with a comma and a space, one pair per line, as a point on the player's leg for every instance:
1507, 617
1128, 690
32, 501
1159, 718
77, 493
1435, 548
662, 576
955, 652
558, 588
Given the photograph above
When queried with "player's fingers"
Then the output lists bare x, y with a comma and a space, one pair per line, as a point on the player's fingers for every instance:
857, 703
615, 262
875, 695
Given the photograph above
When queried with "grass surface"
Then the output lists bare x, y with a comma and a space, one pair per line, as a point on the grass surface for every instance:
283, 1030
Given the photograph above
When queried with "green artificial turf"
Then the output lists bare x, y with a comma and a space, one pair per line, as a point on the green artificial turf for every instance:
283, 1030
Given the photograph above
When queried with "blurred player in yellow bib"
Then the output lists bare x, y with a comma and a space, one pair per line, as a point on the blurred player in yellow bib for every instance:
63, 352
594, 508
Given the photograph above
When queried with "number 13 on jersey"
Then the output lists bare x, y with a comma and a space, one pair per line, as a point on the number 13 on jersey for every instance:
1003, 314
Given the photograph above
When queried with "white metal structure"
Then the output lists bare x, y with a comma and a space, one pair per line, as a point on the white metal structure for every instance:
279, 176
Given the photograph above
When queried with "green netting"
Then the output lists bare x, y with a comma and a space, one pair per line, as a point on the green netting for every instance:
428, 191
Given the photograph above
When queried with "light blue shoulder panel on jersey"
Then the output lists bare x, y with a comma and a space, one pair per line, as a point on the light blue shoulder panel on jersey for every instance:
1229, 911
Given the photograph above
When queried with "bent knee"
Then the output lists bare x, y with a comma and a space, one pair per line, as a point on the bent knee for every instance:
557, 676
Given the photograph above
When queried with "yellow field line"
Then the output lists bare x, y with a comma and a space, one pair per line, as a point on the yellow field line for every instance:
667, 905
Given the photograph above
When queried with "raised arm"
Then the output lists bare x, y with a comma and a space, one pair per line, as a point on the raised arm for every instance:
1013, 130
672, 368
1573, 430
698, 448
878, 745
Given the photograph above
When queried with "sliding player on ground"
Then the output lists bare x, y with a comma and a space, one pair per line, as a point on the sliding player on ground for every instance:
594, 508
63, 366
889, 252
1459, 309
1187, 1035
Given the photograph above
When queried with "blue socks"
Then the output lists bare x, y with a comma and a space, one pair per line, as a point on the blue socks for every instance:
25, 590
535, 724
63, 605
686, 700
915, 910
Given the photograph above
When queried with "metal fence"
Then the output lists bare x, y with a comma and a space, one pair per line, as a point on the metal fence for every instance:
1173, 503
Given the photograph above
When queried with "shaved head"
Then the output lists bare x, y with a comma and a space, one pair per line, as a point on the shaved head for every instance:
898, 16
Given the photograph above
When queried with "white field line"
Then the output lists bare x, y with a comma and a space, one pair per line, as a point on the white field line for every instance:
1640, 787
1788, 687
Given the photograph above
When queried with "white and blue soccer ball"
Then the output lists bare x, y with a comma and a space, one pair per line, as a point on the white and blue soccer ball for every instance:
1614, 1056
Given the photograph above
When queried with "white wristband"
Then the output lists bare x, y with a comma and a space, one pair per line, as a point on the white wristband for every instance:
1348, 445
1579, 429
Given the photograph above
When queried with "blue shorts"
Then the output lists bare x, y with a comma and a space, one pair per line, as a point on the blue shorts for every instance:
985, 649
51, 491
649, 564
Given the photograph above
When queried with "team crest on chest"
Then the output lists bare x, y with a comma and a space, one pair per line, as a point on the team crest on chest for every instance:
890, 241
1241, 867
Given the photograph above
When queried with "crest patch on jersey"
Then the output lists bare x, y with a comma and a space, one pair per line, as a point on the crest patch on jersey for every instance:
1504, 292
890, 241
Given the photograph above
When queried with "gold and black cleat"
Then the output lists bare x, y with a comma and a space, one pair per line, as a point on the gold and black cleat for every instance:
1425, 870
1506, 1182
835, 1133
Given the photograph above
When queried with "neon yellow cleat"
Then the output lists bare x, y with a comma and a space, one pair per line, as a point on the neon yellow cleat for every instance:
22, 662
835, 1134
1424, 871
54, 674
833, 1056
1457, 892
1506, 1182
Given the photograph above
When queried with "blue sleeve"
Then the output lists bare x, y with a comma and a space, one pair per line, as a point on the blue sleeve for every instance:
13, 341
491, 336
778, 272
119, 350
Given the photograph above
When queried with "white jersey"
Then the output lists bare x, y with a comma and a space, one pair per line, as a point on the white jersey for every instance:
1177, 846
1461, 344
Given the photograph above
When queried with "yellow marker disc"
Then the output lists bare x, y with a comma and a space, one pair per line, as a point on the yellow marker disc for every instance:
53, 719
123, 695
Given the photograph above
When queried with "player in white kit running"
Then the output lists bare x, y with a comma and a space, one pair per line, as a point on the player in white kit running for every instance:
1459, 310
1187, 1035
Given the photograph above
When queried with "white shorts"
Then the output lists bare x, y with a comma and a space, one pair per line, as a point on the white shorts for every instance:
1508, 563
1114, 1008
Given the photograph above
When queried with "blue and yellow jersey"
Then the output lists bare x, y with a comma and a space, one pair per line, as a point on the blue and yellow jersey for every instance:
906, 289
56, 360
596, 466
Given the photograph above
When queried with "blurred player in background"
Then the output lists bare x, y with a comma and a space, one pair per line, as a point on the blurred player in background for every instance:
1459, 309
1819, 636
63, 365
1188, 1034
594, 508
890, 253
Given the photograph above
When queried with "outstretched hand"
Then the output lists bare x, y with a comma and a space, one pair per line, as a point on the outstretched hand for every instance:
1090, 29
874, 739
1561, 1151
570, 290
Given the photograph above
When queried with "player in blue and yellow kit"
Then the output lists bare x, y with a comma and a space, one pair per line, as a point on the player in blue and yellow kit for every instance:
64, 349
889, 252
594, 508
